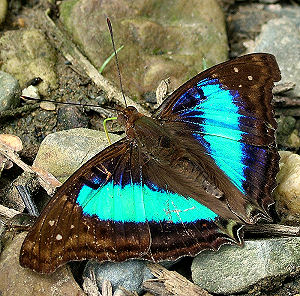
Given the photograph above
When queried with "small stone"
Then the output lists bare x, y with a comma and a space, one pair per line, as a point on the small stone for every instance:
101, 100
48, 106
62, 153
9, 91
69, 117
129, 274
31, 92
287, 193
34, 81
236, 269
12, 141
16, 280
281, 38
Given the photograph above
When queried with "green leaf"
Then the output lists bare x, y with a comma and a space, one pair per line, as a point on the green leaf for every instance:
108, 59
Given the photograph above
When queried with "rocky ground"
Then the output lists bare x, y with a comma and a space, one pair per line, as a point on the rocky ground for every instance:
52, 40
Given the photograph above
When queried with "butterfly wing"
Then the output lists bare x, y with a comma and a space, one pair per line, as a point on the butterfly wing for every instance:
113, 209
69, 229
227, 110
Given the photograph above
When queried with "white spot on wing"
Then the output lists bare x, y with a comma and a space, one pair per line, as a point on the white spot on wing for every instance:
59, 237
250, 77
51, 222
236, 69
72, 226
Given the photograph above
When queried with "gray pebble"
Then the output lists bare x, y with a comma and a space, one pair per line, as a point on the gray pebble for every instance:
236, 269
281, 38
129, 274
9, 91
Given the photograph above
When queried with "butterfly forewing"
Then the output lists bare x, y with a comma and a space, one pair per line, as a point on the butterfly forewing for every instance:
227, 109
83, 218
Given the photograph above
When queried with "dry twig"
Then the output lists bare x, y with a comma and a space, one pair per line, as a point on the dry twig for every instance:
283, 87
286, 102
72, 54
47, 181
7, 212
272, 230
171, 283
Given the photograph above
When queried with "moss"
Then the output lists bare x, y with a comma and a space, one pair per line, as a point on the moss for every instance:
26, 53
65, 11
158, 51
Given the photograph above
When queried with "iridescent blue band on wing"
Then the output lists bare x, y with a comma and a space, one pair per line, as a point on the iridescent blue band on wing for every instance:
215, 121
138, 203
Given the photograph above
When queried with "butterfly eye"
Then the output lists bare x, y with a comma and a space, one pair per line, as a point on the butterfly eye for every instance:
122, 118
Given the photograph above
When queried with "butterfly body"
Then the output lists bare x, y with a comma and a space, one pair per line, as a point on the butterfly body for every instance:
182, 181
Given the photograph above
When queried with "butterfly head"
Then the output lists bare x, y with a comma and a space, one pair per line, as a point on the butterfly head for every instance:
128, 116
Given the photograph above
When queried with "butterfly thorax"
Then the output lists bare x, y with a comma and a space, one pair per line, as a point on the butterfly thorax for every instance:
149, 134
127, 118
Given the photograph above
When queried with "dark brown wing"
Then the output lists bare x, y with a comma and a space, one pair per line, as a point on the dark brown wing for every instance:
65, 231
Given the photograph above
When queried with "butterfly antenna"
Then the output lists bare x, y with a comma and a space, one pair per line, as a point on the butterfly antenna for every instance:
68, 103
116, 56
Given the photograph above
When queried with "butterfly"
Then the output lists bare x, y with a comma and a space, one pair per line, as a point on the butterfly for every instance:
187, 179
